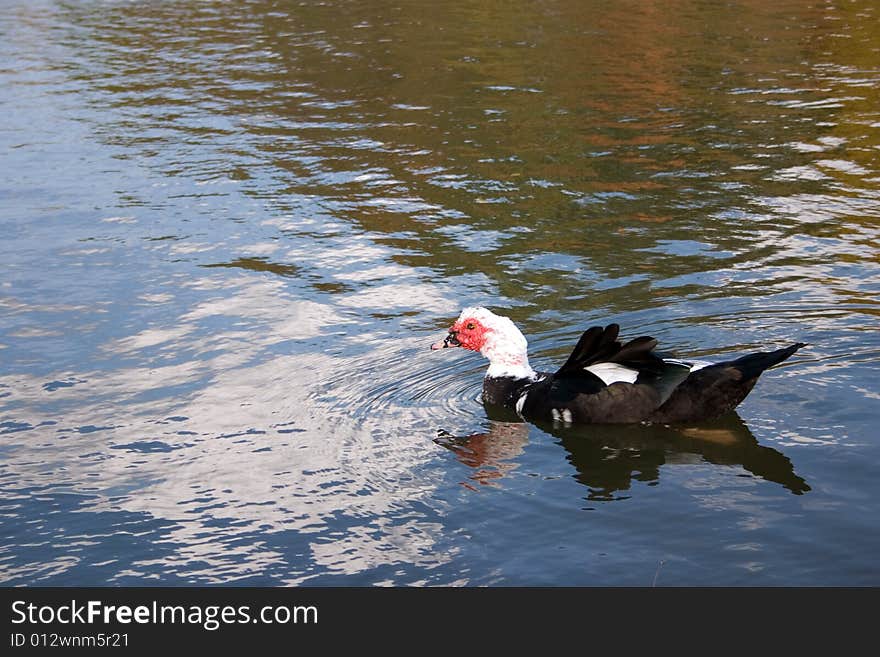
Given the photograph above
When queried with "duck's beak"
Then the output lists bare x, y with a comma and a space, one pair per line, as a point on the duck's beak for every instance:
450, 340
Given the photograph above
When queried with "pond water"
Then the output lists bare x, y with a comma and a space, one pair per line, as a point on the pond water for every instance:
231, 230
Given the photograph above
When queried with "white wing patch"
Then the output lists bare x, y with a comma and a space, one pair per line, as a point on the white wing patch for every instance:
520, 403
694, 365
612, 373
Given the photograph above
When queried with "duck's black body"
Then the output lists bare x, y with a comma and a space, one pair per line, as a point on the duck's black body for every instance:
663, 390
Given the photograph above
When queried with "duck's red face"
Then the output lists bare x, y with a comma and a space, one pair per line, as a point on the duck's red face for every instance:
467, 332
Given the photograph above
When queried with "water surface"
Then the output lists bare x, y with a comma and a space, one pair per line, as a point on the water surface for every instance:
232, 230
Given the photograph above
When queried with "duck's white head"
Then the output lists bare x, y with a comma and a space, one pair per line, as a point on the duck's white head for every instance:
494, 336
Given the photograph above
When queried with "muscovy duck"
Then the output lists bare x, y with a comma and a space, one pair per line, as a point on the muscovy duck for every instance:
604, 381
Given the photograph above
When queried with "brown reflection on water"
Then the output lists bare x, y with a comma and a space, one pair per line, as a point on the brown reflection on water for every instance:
492, 454
664, 141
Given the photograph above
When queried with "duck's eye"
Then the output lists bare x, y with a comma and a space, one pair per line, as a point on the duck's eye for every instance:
470, 326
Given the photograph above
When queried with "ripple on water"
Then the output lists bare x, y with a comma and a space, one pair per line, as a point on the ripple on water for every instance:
404, 378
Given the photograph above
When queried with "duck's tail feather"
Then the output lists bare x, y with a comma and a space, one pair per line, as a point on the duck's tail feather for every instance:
719, 388
752, 365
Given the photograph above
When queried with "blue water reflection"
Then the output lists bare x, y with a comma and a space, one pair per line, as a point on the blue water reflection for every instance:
230, 232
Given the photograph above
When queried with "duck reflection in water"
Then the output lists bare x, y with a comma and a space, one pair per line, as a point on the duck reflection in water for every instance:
607, 458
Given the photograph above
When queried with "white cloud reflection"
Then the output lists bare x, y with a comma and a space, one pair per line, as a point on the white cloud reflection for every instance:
226, 436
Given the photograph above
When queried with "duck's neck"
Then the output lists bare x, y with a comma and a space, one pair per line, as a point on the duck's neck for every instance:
512, 363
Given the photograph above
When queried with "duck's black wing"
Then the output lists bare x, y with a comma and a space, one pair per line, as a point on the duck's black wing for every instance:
575, 394
600, 345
